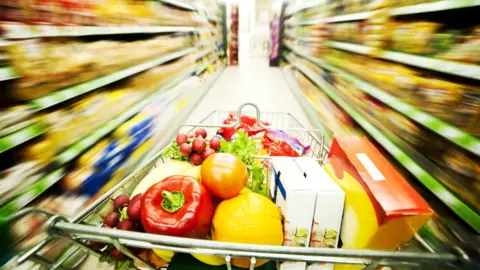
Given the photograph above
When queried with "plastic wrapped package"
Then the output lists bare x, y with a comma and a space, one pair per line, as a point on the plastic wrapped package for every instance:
414, 37
331, 115
15, 118
95, 12
317, 31
468, 51
437, 40
158, 75
399, 3
434, 95
375, 32
468, 111
49, 65
348, 32
460, 174
387, 117
404, 127
106, 161
458, 104
455, 103
70, 124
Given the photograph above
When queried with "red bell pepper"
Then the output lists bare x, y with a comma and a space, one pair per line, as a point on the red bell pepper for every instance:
177, 206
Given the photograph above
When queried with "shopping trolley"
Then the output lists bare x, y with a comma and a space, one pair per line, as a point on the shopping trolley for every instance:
86, 225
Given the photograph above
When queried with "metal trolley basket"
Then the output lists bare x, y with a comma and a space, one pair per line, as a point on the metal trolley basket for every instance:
86, 225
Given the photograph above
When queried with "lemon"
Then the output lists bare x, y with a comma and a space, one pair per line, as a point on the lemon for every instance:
210, 259
166, 255
248, 218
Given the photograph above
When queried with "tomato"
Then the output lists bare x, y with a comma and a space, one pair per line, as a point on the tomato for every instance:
224, 175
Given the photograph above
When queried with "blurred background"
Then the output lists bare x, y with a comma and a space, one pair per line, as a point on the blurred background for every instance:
92, 89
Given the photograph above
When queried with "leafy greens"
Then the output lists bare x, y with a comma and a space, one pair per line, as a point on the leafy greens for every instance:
245, 148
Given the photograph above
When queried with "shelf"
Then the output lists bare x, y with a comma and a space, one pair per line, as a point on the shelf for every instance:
13, 31
80, 147
68, 93
205, 66
435, 6
303, 7
443, 66
432, 184
23, 135
308, 107
7, 73
31, 193
179, 4
210, 41
32, 131
350, 17
205, 53
214, 19
307, 39
311, 22
407, 10
445, 130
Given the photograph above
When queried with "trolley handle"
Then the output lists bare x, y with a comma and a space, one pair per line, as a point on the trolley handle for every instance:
259, 121
257, 111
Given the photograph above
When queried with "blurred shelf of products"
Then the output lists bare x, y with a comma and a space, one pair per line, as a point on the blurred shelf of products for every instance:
93, 92
406, 74
90, 90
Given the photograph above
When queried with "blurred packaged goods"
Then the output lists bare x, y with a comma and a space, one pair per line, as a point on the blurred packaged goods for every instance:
27, 230
67, 125
426, 38
455, 103
15, 118
95, 12
51, 64
341, 7
331, 115
459, 169
319, 31
101, 165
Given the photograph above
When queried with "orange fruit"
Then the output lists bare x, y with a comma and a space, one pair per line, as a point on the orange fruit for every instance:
248, 218
225, 175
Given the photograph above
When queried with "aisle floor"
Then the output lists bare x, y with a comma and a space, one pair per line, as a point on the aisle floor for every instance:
252, 81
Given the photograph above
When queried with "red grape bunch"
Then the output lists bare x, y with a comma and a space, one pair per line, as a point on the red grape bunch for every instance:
126, 216
196, 147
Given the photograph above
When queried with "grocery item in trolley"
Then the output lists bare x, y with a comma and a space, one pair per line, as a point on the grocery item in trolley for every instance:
382, 211
246, 123
380, 207
279, 143
297, 203
329, 204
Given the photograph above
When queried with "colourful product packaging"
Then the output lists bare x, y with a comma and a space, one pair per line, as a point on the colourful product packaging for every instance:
327, 217
279, 143
382, 211
297, 203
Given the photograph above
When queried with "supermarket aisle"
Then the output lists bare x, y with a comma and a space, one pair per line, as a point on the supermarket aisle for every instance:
252, 81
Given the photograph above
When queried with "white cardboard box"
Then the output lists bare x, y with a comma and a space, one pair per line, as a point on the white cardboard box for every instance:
330, 200
297, 203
